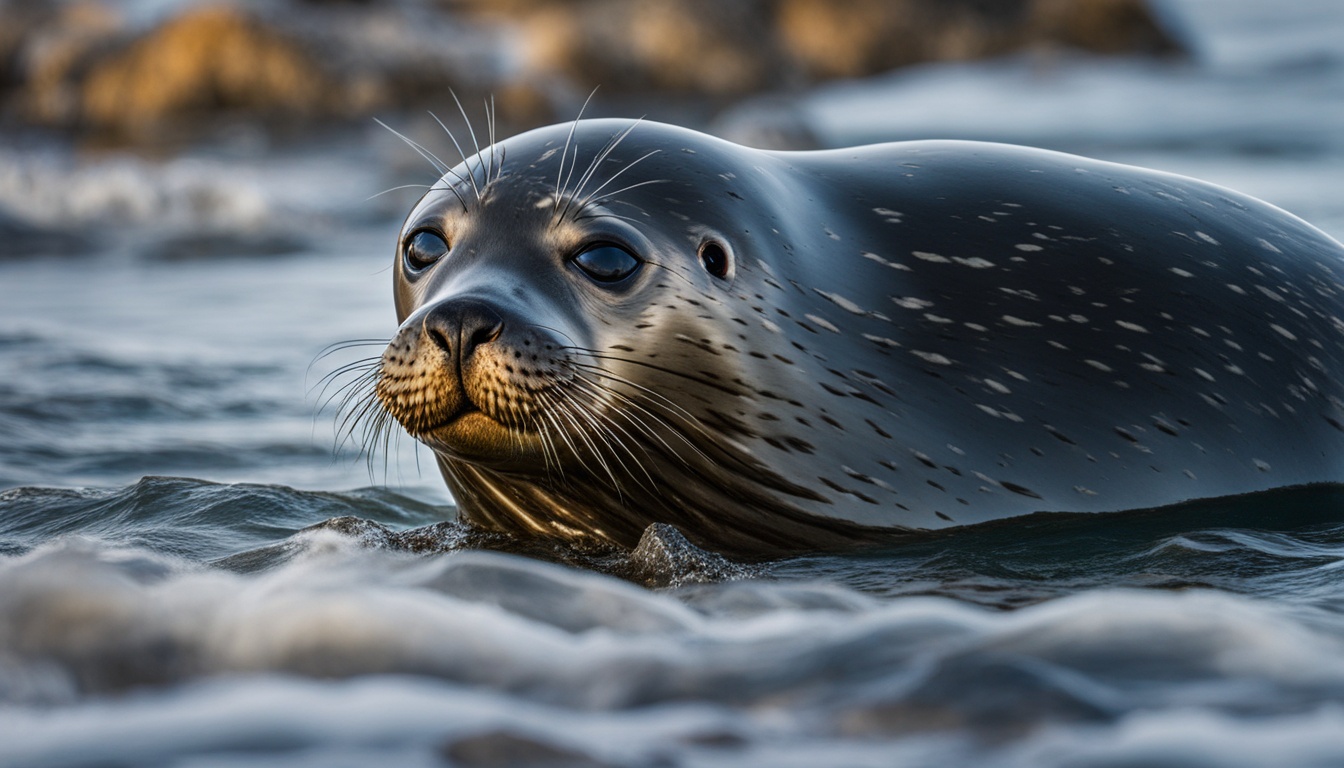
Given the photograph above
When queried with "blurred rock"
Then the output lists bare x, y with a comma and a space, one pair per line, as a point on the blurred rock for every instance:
49, 49
207, 60
719, 49
295, 64
284, 66
706, 47
863, 37
1102, 26
212, 246
515, 750
20, 238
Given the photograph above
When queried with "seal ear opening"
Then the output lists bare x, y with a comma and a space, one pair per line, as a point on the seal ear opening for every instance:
715, 258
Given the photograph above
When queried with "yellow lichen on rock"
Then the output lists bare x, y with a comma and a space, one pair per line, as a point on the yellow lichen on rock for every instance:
206, 60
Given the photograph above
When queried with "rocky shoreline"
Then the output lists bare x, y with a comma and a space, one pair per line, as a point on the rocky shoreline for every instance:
106, 76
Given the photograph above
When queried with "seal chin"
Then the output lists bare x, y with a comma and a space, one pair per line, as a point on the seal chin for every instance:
474, 436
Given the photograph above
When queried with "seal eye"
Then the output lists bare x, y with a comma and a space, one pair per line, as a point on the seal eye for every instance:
424, 249
714, 258
607, 263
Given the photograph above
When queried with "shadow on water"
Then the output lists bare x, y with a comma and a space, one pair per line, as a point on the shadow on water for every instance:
1241, 543
194, 519
1268, 543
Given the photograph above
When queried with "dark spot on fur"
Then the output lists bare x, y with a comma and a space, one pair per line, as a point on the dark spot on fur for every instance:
1059, 435
1019, 489
943, 517
862, 478
1162, 426
847, 491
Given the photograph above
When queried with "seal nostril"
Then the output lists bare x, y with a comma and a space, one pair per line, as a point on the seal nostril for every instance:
457, 328
474, 335
441, 341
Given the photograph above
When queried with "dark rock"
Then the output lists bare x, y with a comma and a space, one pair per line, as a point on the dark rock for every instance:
23, 239
864, 37
506, 748
291, 66
664, 558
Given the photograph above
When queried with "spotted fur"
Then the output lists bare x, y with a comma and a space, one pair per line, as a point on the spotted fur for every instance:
909, 337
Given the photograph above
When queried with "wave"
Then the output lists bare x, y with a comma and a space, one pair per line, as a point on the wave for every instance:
347, 647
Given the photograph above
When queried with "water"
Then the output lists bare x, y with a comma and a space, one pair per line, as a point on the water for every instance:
196, 570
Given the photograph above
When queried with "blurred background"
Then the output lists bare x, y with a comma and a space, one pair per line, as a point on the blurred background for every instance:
190, 190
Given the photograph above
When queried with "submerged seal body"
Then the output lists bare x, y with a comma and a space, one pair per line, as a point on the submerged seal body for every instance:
607, 324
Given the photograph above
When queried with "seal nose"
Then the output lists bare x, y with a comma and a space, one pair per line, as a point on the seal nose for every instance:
459, 327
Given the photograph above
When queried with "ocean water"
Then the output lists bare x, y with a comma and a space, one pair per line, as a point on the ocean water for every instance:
198, 568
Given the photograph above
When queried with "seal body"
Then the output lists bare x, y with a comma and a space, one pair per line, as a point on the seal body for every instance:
810, 350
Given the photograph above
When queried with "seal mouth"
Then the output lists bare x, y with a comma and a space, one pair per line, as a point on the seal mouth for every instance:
475, 436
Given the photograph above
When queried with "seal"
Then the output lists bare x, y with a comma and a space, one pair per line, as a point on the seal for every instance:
611, 324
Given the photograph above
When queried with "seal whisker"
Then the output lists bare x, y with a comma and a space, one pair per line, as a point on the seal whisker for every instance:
550, 414
596, 164
563, 410
398, 188
564, 153
605, 215
549, 458
384, 427
361, 391
602, 154
596, 391
439, 166
340, 346
593, 196
555, 409
368, 373
372, 420
471, 130
358, 411
490, 125
604, 373
548, 442
559, 214
606, 432
634, 405
360, 364
471, 174
671, 372
337, 346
